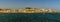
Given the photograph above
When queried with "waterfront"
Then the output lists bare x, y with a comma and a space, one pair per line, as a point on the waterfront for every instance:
27, 17
28, 10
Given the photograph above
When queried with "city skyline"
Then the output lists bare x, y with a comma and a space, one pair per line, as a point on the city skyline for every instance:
53, 4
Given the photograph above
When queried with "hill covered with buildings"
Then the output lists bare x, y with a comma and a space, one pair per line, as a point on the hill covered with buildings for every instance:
27, 10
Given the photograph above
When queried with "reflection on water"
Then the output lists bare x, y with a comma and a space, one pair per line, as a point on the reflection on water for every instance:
34, 17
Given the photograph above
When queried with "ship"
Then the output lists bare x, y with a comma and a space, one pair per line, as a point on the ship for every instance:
27, 10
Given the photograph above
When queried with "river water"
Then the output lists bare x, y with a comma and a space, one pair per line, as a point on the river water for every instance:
32, 17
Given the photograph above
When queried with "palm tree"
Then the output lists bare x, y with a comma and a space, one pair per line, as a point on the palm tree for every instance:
28, 7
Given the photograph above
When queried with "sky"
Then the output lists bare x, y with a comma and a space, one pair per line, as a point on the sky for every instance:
53, 4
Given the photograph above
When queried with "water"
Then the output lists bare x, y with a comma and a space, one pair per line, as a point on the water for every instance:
34, 17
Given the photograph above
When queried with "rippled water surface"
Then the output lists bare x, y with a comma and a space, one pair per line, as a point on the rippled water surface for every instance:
34, 17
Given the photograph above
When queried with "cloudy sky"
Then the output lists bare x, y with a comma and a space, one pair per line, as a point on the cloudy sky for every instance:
54, 4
